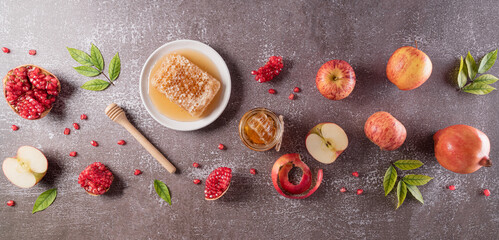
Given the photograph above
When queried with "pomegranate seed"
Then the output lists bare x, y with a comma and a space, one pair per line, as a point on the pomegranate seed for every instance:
296, 89
359, 191
291, 96
83, 117
137, 172
11, 203
121, 142
271, 69
355, 174
5, 50
72, 154
14, 127
94, 143
272, 91
195, 164
196, 181
452, 187
76, 126
67, 131
253, 171
486, 192
221, 146
32, 52
343, 189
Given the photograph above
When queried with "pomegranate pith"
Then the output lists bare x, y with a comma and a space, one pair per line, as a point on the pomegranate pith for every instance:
217, 183
96, 179
14, 127
11, 203
271, 69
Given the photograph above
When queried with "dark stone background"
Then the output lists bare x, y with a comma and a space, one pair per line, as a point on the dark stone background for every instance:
246, 33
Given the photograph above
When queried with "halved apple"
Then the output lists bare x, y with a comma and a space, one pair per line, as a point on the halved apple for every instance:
326, 141
27, 168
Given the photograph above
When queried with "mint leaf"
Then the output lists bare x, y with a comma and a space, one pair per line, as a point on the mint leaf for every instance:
487, 61
408, 164
478, 88
401, 193
471, 66
44, 200
96, 57
390, 179
95, 85
82, 57
416, 180
486, 79
162, 191
461, 76
415, 193
87, 71
115, 67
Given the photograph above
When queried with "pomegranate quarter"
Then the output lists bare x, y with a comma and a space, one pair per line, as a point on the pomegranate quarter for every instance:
462, 149
218, 183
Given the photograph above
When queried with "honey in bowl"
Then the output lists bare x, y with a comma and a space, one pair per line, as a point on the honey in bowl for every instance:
171, 109
260, 129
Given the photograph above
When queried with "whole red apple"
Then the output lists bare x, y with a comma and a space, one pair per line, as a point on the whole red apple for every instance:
335, 79
385, 131
408, 68
462, 149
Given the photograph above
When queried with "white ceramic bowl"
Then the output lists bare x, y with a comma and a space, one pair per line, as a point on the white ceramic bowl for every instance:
224, 89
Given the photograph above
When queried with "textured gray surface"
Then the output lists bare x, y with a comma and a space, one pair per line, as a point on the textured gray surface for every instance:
307, 34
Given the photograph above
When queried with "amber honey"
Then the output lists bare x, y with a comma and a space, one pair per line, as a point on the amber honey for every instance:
260, 129
172, 110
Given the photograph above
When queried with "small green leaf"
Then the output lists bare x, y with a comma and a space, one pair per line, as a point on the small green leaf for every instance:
162, 191
44, 200
486, 79
471, 66
96, 57
487, 61
478, 88
415, 192
80, 56
416, 180
87, 71
390, 179
115, 67
95, 85
408, 164
461, 76
401, 193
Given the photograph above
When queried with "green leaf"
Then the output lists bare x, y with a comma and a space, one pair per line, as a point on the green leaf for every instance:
390, 179
44, 200
95, 85
461, 76
416, 180
478, 88
408, 164
401, 193
115, 67
471, 66
486, 79
96, 57
487, 61
162, 191
415, 193
80, 56
87, 71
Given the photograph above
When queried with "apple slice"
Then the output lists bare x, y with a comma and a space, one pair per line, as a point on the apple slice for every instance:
326, 141
27, 169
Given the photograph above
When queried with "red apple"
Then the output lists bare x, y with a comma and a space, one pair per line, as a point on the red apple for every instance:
462, 149
408, 68
385, 131
335, 79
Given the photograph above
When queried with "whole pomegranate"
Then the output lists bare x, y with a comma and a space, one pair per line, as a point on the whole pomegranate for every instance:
462, 149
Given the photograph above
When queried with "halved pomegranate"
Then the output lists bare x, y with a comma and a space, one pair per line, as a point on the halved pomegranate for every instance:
218, 183
31, 91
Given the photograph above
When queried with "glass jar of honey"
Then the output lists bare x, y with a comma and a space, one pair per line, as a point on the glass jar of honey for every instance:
260, 129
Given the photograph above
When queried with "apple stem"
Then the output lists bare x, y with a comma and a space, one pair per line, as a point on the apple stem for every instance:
416, 42
485, 162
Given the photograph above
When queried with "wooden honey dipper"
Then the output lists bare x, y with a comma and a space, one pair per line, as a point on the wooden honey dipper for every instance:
117, 114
